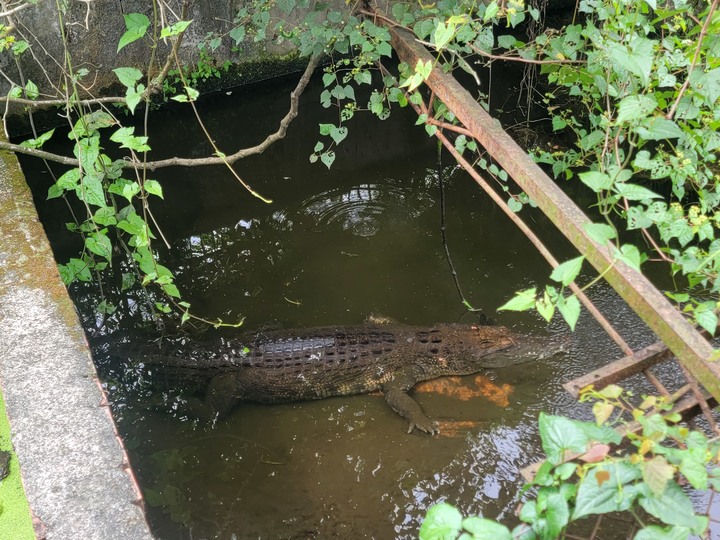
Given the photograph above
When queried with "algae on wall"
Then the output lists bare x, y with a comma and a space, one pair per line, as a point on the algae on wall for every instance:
15, 517
92, 31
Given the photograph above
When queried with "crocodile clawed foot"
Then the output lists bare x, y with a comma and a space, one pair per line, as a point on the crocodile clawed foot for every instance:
426, 425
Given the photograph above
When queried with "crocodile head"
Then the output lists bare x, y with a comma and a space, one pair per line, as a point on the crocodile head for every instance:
470, 347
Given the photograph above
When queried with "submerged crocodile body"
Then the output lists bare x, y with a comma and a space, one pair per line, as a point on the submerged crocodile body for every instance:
295, 365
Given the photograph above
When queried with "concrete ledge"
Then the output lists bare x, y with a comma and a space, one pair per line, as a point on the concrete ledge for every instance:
73, 466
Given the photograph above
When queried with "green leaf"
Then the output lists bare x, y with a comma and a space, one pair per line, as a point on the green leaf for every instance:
491, 10
237, 34
171, 290
327, 157
654, 532
153, 187
69, 179
707, 84
90, 123
631, 256
105, 215
442, 522
134, 225
128, 76
695, 472
128, 280
75, 270
602, 434
91, 191
190, 95
522, 301
636, 57
673, 507
338, 134
124, 136
99, 244
557, 515
133, 97
606, 488
611, 391
658, 128
634, 107
567, 271
124, 188
656, 473
384, 49
31, 90
54, 191
596, 180
514, 204
174, 29
443, 34
106, 307
706, 317
37, 143
600, 232
569, 308
559, 436
485, 529
545, 306
524, 532
136, 24
633, 192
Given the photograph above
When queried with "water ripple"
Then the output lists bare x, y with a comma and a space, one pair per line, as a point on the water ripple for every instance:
365, 208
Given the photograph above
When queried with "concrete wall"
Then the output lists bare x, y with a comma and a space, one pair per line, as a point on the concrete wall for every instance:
93, 30
74, 469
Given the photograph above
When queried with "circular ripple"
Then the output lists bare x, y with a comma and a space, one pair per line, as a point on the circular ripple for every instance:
365, 208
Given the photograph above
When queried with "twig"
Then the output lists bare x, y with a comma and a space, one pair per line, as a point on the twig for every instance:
193, 162
701, 38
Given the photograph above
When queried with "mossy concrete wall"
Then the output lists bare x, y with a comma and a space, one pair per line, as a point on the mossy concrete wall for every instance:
92, 31
73, 467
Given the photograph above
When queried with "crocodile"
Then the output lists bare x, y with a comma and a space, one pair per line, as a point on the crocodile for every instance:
294, 365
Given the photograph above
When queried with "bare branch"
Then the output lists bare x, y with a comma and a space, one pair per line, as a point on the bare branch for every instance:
16, 9
59, 102
253, 150
194, 162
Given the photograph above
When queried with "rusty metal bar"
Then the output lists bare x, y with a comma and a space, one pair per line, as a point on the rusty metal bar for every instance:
660, 387
619, 369
671, 327
697, 393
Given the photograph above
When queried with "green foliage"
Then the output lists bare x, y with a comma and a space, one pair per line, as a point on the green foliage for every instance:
582, 478
552, 298
136, 25
642, 110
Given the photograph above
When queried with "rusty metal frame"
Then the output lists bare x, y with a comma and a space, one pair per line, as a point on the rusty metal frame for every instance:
685, 342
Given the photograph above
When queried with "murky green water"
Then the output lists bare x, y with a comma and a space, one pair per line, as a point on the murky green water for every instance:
334, 247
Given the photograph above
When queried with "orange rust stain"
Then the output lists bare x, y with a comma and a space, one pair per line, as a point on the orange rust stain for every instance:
484, 387
451, 429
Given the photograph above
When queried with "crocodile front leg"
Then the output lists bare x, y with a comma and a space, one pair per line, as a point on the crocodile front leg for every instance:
222, 394
396, 396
